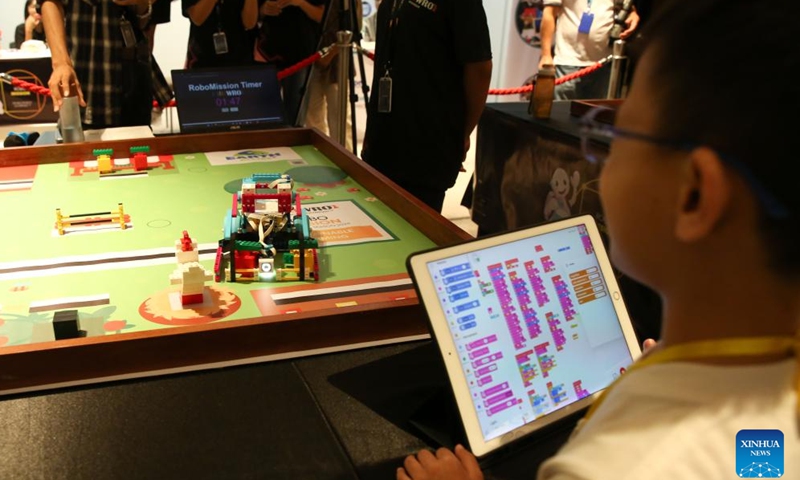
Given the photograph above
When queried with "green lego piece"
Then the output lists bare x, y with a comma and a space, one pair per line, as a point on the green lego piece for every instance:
294, 244
140, 149
103, 151
248, 246
288, 259
311, 243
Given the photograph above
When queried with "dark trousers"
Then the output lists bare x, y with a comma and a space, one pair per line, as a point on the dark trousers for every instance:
293, 87
432, 197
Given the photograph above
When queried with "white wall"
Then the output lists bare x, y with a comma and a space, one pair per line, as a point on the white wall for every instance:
10, 17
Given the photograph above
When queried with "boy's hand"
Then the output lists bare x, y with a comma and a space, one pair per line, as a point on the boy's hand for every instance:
648, 345
461, 465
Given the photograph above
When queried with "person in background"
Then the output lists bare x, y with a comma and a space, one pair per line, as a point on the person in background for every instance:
581, 32
706, 216
289, 33
31, 28
433, 66
222, 32
161, 14
323, 89
99, 52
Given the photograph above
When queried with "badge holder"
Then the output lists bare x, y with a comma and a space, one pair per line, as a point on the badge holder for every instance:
220, 43
385, 93
128, 35
586, 22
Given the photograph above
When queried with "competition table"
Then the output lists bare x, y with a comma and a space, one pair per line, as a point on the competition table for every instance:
118, 279
326, 416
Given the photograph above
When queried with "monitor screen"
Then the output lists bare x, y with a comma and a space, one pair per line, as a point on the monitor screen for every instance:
228, 99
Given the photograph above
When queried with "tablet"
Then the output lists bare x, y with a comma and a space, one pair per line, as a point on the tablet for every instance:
530, 324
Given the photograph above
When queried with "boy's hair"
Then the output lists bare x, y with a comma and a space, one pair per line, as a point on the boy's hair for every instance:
723, 74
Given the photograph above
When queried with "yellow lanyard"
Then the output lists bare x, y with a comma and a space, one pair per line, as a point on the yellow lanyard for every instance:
731, 347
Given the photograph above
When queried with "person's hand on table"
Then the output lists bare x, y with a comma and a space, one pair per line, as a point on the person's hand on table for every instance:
444, 465
62, 81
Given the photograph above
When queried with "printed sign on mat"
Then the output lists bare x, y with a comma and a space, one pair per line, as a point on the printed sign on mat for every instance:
253, 155
343, 223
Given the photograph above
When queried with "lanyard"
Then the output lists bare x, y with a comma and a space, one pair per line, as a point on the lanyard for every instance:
730, 347
219, 14
394, 17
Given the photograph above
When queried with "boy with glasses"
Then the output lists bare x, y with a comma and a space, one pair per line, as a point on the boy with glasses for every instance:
698, 193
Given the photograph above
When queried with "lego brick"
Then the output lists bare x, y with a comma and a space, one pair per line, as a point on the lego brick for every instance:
192, 299
139, 162
140, 149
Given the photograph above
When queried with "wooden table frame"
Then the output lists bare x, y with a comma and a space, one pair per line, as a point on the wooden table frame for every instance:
75, 361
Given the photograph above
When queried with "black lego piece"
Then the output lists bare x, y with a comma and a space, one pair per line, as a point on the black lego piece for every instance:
65, 325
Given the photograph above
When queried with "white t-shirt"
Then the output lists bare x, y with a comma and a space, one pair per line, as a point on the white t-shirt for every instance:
581, 49
679, 421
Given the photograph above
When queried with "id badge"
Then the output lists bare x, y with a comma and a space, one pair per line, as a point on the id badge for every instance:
220, 43
586, 22
128, 36
385, 94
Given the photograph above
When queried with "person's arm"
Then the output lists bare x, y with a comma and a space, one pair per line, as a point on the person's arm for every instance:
63, 76
477, 77
31, 22
143, 9
314, 12
250, 14
200, 11
548, 29
270, 8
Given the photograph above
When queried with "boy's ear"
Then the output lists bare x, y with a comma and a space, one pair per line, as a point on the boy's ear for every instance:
704, 197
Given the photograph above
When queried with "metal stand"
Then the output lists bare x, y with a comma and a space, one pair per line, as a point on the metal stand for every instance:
618, 66
346, 75
344, 45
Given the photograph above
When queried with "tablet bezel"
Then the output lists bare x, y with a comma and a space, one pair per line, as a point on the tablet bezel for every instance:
418, 268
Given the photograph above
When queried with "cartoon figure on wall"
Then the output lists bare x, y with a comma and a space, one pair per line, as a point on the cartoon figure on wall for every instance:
528, 21
557, 205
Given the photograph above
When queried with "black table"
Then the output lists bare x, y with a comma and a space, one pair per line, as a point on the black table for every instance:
335, 416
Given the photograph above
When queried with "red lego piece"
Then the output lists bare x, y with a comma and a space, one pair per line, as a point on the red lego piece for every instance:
139, 162
191, 299
217, 263
186, 242
235, 207
245, 260
284, 202
298, 209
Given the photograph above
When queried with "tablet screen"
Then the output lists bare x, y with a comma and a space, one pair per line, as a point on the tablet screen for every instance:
533, 323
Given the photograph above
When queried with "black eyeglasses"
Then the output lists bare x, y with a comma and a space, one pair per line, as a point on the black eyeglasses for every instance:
596, 152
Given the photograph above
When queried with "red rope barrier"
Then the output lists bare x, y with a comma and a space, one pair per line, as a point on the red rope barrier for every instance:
366, 52
566, 78
301, 65
319, 54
